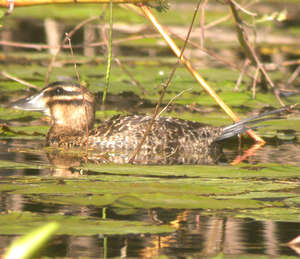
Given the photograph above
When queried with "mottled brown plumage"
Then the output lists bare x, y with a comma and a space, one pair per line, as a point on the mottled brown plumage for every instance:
125, 132
171, 140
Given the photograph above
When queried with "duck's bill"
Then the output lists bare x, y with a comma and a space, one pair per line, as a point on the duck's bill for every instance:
32, 103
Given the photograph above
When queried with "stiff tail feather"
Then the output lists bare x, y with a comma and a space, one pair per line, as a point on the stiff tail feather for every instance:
246, 124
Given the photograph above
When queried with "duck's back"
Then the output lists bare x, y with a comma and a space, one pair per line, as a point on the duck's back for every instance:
167, 134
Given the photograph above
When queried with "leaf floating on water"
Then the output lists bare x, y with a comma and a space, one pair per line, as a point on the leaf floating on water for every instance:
4, 130
286, 135
78, 225
7, 131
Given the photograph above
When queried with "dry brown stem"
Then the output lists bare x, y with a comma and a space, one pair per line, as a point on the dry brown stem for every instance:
66, 46
193, 71
247, 46
7, 75
164, 85
213, 54
294, 75
243, 8
5, 3
66, 39
133, 80
202, 23
244, 69
172, 100
255, 82
291, 62
83, 99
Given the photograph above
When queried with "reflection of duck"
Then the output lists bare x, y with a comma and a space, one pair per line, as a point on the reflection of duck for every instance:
72, 108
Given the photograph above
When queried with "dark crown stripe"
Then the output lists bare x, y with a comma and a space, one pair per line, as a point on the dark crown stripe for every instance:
67, 102
53, 93
62, 83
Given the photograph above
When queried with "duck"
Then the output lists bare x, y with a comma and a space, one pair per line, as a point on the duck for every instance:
71, 108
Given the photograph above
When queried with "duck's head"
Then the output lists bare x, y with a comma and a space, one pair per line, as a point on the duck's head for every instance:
69, 105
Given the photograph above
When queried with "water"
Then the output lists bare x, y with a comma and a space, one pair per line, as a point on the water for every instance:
197, 233
147, 211
196, 236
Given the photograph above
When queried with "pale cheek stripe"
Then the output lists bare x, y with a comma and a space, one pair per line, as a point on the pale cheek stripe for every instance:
67, 98
70, 97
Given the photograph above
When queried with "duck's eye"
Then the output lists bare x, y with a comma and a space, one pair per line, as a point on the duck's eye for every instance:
59, 90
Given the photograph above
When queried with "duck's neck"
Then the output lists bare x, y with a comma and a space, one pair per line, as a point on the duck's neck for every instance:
71, 120
60, 134
65, 137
